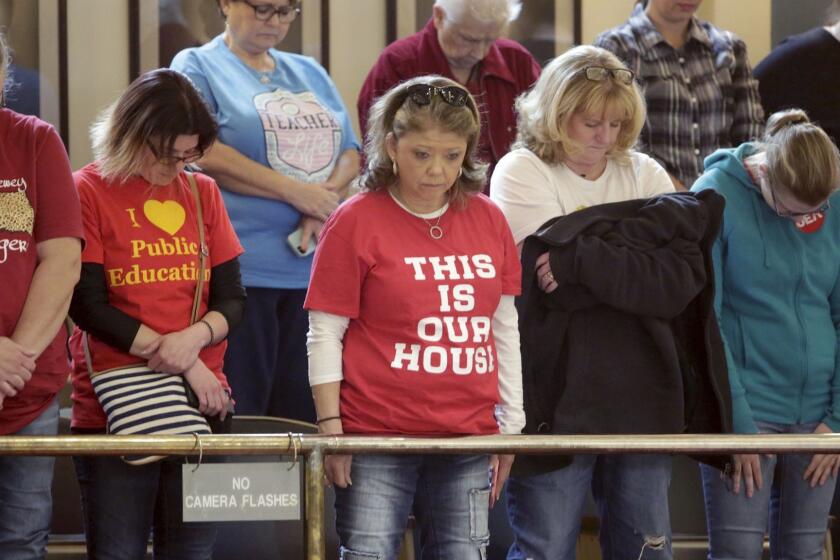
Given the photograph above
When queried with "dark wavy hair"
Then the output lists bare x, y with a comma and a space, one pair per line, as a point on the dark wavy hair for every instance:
392, 116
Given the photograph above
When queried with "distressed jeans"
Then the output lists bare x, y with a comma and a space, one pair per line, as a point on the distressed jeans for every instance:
26, 495
450, 495
631, 492
797, 514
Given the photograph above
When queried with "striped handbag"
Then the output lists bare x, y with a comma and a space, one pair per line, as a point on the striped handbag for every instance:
138, 400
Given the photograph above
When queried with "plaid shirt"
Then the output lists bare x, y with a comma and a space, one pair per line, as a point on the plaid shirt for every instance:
699, 98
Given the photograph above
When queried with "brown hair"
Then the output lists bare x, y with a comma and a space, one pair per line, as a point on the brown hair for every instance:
391, 115
801, 157
563, 90
156, 108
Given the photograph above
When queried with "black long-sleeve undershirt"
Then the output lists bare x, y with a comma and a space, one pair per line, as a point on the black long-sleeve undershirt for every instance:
91, 310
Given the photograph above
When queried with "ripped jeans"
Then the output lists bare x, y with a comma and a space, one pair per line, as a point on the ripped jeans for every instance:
450, 495
631, 492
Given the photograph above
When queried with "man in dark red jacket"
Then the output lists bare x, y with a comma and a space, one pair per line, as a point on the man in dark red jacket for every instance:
462, 41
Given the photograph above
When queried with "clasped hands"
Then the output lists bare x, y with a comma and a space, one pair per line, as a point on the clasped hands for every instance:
17, 364
177, 353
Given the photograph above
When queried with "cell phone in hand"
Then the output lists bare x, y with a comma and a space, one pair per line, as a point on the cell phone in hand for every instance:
294, 241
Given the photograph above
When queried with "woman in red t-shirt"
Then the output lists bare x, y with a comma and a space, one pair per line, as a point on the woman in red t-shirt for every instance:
413, 328
140, 271
40, 245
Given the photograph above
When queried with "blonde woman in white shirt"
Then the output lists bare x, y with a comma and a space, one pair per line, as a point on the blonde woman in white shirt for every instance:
577, 127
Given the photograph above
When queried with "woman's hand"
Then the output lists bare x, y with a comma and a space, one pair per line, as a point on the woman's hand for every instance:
317, 199
212, 397
309, 227
500, 470
17, 364
821, 466
544, 276
747, 467
177, 352
336, 467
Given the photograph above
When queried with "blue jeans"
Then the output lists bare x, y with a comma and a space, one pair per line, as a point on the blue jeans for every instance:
798, 514
122, 503
265, 362
450, 494
26, 495
631, 492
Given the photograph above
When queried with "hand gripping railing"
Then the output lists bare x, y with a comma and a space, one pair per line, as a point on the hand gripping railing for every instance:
313, 448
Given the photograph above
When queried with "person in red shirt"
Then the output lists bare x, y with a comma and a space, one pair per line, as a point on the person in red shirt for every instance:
413, 328
40, 243
135, 296
462, 41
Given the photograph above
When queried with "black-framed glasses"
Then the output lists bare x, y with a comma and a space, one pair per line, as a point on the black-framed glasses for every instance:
601, 73
169, 159
785, 213
421, 94
265, 12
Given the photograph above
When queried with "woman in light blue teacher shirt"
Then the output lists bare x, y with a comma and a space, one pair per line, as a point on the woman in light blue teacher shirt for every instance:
285, 156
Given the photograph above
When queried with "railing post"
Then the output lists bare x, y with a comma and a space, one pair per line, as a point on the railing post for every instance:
315, 545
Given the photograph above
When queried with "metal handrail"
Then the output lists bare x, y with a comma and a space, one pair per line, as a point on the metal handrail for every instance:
314, 447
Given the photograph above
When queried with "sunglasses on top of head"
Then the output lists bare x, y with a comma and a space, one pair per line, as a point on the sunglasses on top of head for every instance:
421, 94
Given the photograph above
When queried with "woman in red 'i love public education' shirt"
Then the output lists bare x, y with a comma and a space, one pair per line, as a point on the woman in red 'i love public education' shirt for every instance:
135, 298
413, 328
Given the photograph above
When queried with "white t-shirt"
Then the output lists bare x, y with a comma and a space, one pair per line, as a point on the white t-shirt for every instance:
530, 192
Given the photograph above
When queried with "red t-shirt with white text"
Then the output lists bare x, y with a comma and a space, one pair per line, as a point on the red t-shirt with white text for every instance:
146, 238
419, 355
37, 203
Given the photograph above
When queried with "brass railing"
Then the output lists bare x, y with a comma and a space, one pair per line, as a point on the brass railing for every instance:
313, 448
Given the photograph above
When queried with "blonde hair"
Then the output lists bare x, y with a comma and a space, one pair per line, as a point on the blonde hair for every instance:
563, 90
156, 108
801, 157
394, 114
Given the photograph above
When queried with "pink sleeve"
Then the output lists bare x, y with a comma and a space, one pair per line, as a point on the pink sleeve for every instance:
57, 212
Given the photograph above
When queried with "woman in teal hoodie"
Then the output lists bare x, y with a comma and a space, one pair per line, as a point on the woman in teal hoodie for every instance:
778, 301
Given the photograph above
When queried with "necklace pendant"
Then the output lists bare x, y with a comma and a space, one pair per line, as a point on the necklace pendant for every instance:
436, 231
265, 79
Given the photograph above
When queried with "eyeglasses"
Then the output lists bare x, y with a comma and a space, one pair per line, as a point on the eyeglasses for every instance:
168, 159
785, 213
601, 73
421, 94
265, 12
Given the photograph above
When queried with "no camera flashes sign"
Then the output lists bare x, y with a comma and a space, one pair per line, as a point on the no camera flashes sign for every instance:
242, 492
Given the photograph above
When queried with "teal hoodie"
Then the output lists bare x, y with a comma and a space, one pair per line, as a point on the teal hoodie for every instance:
777, 297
